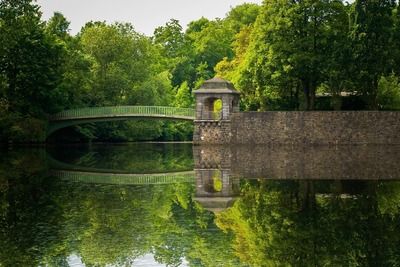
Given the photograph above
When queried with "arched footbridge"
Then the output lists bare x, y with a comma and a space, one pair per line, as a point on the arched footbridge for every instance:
74, 173
98, 114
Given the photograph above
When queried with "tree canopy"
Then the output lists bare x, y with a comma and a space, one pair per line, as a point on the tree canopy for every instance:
281, 55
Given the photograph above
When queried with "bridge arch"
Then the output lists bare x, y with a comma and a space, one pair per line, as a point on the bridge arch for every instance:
99, 114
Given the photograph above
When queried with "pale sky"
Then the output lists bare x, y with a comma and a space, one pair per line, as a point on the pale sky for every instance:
145, 15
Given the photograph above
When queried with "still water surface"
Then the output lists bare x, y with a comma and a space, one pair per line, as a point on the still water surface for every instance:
174, 205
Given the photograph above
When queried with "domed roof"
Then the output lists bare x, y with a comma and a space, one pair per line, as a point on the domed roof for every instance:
217, 85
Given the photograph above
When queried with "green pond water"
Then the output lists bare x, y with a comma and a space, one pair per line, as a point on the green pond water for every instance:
175, 205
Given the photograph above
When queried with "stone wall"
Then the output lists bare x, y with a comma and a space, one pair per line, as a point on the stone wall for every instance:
316, 127
308, 127
212, 132
360, 162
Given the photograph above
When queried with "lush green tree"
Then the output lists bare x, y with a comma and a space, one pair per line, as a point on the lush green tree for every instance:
371, 35
240, 19
171, 38
183, 96
212, 42
337, 67
235, 70
396, 39
389, 92
242, 15
76, 83
58, 25
121, 60
155, 91
288, 49
30, 71
30, 59
176, 51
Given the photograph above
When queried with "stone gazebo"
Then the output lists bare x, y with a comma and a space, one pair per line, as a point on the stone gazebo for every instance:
213, 121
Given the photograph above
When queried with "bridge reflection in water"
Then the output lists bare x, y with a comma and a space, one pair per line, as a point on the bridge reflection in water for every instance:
218, 170
124, 178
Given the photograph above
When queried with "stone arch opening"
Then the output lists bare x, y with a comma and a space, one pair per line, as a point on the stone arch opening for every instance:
213, 107
213, 183
235, 104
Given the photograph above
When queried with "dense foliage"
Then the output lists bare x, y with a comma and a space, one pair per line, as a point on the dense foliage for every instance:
291, 55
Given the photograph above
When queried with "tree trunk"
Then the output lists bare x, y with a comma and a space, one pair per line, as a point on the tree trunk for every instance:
312, 95
296, 97
373, 97
306, 90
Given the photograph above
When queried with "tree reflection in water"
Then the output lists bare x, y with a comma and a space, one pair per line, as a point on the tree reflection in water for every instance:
45, 221
309, 223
